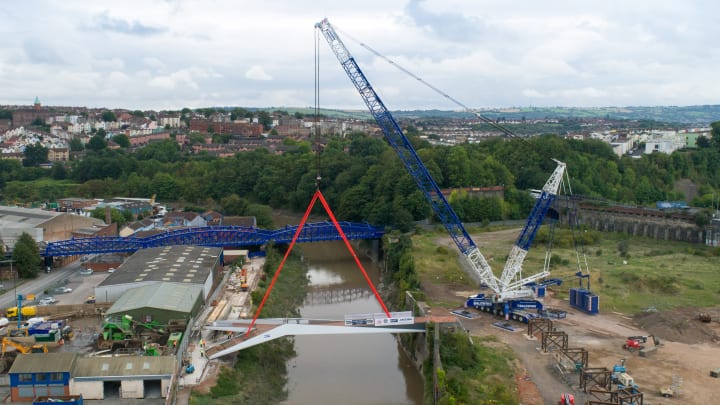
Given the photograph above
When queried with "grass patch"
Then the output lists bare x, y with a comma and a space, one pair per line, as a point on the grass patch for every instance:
628, 273
474, 373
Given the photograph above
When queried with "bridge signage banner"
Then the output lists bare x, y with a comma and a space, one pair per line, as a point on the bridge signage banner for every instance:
380, 319
360, 319
396, 318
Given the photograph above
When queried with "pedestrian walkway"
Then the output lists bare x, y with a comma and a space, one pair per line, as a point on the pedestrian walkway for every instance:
238, 304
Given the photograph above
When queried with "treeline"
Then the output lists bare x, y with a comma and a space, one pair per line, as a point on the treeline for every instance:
364, 180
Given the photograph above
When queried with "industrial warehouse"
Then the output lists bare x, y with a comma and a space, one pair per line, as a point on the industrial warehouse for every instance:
133, 341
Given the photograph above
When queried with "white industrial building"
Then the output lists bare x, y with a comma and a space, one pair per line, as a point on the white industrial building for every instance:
125, 377
41, 225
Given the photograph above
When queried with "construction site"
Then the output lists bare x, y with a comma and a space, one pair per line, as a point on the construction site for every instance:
654, 357
96, 344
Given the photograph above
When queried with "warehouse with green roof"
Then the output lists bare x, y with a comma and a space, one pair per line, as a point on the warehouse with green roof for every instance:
159, 303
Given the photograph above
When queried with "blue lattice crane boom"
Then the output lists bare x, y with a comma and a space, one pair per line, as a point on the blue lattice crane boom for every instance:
480, 269
512, 284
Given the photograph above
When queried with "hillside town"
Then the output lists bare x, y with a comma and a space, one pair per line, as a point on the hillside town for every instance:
64, 131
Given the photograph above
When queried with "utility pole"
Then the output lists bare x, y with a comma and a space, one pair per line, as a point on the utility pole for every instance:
14, 285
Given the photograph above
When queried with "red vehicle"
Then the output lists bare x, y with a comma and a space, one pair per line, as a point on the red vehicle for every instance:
566, 399
635, 342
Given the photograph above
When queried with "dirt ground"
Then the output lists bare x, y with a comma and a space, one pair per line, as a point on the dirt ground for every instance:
688, 350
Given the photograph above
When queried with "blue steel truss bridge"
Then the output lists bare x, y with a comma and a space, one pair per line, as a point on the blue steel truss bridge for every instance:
212, 236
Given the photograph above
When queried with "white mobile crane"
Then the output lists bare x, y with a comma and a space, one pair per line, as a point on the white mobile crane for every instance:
512, 294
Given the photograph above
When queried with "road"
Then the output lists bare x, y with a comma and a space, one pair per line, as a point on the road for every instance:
43, 282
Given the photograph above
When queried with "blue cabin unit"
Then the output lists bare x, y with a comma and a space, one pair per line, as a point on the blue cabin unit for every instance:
584, 300
35, 375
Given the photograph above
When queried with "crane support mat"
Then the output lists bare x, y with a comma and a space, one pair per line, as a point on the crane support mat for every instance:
465, 313
505, 325
553, 313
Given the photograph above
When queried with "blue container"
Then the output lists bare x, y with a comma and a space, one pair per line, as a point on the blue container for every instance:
593, 304
580, 299
573, 296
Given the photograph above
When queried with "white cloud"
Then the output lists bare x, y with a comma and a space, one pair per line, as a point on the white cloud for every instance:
257, 73
486, 54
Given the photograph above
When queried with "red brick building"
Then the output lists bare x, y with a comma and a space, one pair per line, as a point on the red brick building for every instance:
234, 128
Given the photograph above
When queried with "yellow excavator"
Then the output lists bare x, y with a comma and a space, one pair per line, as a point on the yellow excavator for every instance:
36, 348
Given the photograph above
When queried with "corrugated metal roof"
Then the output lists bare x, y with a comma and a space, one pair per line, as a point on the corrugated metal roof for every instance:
166, 296
124, 366
177, 264
25, 217
43, 363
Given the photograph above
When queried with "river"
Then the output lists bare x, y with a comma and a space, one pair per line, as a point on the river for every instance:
353, 370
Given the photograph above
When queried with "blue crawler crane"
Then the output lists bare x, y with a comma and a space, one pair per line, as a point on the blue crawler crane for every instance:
512, 294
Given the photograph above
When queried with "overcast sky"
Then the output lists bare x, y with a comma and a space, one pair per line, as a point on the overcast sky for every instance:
174, 54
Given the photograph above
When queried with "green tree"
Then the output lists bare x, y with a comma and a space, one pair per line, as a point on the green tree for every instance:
165, 151
138, 113
703, 142
109, 116
221, 138
35, 155
58, 171
196, 138
262, 214
238, 113
26, 256
116, 216
234, 205
122, 140
76, 145
97, 143
715, 134
265, 119
165, 186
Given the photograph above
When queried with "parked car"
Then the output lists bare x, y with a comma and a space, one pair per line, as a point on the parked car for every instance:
47, 301
86, 272
62, 290
90, 299
111, 270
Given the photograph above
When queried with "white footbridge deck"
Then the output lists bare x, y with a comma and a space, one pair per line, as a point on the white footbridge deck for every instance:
268, 329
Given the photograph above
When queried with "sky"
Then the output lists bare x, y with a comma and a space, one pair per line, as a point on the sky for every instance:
166, 55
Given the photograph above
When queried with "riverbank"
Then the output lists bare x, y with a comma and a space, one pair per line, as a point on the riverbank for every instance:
258, 375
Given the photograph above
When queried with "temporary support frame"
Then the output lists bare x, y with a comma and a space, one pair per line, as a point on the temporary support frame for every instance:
539, 325
627, 396
578, 355
598, 377
554, 339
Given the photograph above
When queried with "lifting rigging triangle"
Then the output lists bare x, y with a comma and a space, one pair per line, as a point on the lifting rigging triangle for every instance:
317, 196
